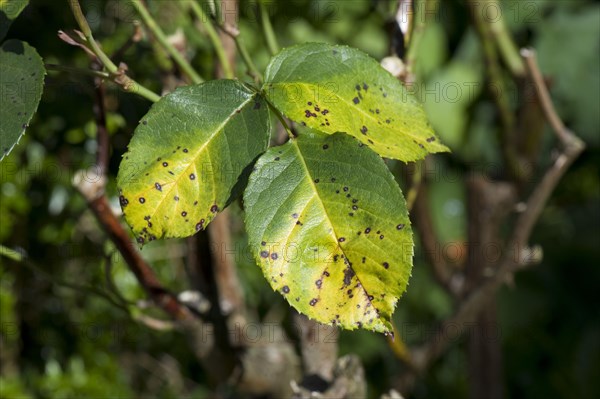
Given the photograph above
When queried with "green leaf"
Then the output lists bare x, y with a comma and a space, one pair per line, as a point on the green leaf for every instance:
21, 84
340, 89
190, 156
329, 227
9, 11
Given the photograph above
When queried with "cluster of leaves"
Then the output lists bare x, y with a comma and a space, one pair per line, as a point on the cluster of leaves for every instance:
326, 220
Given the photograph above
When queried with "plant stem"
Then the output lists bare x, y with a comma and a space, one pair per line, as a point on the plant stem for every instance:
281, 119
87, 32
498, 89
135, 87
506, 46
234, 33
214, 38
162, 39
518, 254
268, 29
398, 346
80, 71
252, 70
411, 196
416, 34
92, 190
116, 74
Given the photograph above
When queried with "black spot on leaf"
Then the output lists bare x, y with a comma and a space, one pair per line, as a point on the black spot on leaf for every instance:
348, 274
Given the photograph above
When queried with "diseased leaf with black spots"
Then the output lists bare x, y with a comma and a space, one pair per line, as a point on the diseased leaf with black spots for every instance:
329, 227
189, 158
340, 89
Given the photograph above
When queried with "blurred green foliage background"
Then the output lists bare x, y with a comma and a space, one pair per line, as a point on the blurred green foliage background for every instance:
61, 342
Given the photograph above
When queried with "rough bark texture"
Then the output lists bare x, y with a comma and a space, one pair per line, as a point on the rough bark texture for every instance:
489, 204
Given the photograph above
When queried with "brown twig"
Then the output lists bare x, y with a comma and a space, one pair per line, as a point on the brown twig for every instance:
564, 135
91, 186
518, 253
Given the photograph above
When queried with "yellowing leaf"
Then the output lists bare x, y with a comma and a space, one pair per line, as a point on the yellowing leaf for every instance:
190, 156
329, 227
340, 89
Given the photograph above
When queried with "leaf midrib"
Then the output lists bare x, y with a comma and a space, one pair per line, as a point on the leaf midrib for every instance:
320, 201
200, 150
